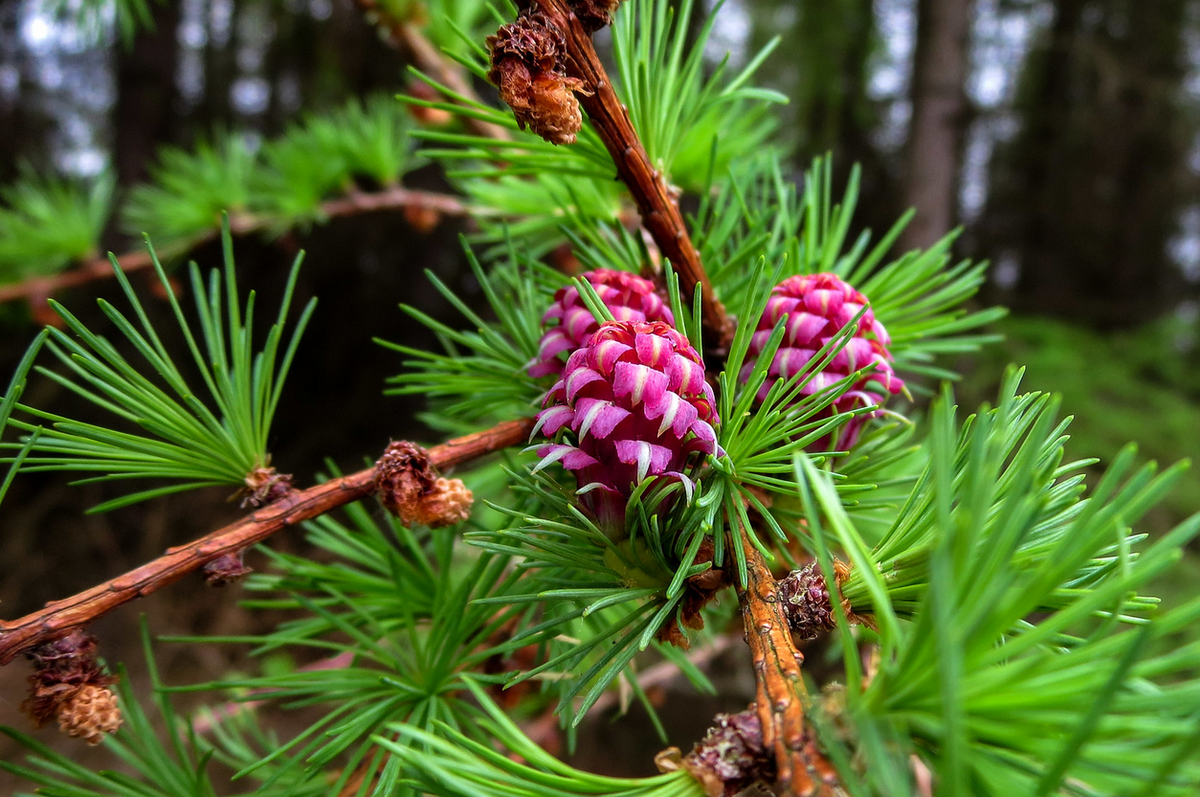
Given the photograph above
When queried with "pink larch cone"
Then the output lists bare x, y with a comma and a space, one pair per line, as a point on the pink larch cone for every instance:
817, 307
631, 405
627, 296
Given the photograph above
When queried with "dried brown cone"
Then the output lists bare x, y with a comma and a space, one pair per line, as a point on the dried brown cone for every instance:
529, 68
411, 490
68, 685
807, 601
729, 759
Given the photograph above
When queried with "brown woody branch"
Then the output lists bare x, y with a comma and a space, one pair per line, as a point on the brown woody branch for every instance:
655, 199
800, 769
59, 617
405, 36
38, 289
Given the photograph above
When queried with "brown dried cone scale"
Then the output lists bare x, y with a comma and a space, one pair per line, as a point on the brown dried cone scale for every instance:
733, 758
729, 759
807, 602
411, 490
529, 68
68, 685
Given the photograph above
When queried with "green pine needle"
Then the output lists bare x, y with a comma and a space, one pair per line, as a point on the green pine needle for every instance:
48, 223
188, 191
172, 433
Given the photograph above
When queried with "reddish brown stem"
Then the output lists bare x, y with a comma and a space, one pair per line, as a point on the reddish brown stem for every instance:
38, 289
406, 37
59, 617
780, 687
655, 199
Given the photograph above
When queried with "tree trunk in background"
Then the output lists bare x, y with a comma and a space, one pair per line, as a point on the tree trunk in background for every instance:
145, 110
823, 65
939, 118
1085, 199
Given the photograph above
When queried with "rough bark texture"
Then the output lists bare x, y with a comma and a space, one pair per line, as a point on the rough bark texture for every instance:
800, 770
939, 118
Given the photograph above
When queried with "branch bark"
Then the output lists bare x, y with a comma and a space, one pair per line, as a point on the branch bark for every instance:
406, 37
800, 770
59, 617
38, 289
655, 199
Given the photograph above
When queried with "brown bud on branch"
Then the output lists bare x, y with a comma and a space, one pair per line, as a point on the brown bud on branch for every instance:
730, 758
529, 68
226, 569
68, 685
734, 756
808, 604
408, 486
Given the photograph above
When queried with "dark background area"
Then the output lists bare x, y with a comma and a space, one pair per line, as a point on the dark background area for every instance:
1061, 135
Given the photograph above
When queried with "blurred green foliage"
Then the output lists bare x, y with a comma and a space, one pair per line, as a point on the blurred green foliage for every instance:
1142, 384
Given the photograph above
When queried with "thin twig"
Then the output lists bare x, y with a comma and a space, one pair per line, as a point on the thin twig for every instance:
406, 37
655, 199
780, 687
59, 617
38, 289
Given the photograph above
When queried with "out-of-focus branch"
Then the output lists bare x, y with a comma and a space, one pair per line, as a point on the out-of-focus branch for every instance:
38, 289
406, 37
59, 617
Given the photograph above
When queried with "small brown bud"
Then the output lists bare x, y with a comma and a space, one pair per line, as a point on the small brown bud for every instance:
730, 758
227, 569
90, 713
264, 486
529, 68
411, 490
807, 602
421, 218
68, 685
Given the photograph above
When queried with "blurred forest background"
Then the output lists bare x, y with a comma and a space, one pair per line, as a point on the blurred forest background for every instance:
1062, 136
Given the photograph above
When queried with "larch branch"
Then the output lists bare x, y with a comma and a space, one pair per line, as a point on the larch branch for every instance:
38, 289
800, 770
655, 199
59, 617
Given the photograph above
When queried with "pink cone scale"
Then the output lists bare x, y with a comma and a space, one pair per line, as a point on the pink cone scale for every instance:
816, 307
627, 296
632, 404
